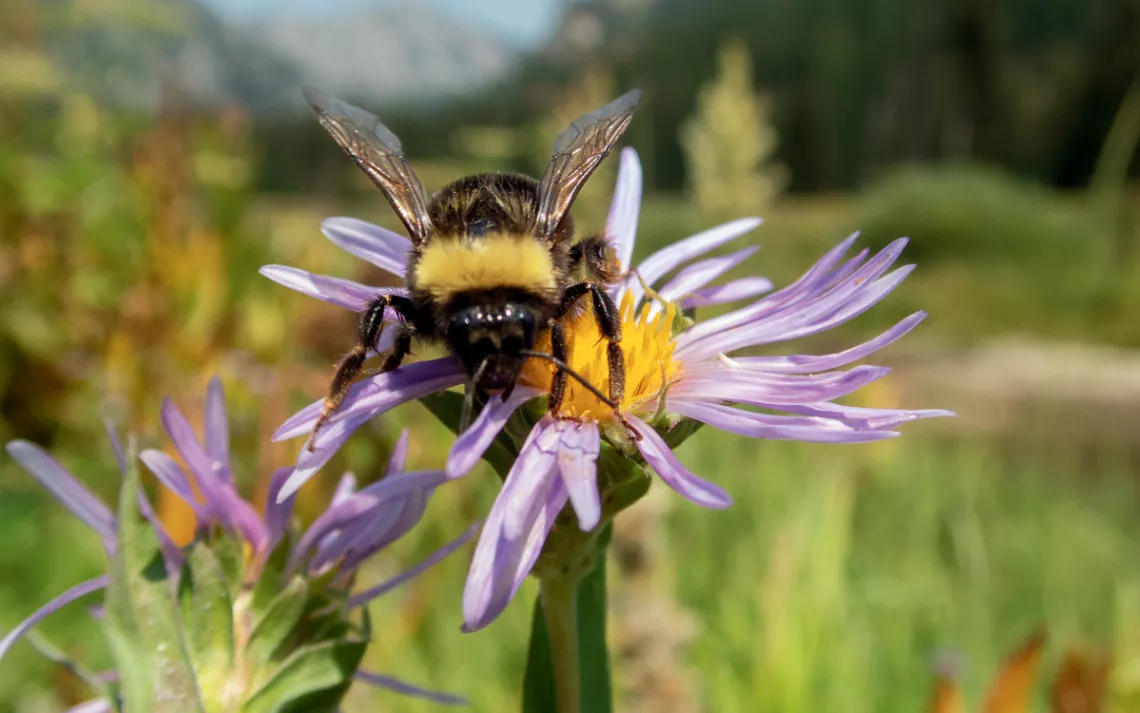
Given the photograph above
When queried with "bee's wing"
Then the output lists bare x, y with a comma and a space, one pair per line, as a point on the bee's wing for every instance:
577, 152
376, 150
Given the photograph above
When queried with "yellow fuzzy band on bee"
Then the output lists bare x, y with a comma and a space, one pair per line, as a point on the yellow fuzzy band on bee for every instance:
449, 265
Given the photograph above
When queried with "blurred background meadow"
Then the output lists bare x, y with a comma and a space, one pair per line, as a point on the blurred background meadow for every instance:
155, 153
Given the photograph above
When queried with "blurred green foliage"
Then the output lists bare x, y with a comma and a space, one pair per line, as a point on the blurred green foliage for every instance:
976, 213
129, 247
729, 143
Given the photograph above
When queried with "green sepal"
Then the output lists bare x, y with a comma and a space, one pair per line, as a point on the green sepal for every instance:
268, 584
621, 482
447, 406
230, 554
208, 619
312, 679
680, 432
142, 623
539, 694
275, 626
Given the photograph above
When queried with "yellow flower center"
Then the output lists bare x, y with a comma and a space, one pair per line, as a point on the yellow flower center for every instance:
649, 366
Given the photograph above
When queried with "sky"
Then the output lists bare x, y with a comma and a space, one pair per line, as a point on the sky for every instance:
523, 23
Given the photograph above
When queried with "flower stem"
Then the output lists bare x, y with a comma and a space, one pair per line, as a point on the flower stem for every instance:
560, 611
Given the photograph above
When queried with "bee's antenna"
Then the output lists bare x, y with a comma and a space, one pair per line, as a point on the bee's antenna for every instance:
570, 372
469, 395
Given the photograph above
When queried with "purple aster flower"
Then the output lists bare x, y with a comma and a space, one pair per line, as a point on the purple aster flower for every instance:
357, 524
675, 369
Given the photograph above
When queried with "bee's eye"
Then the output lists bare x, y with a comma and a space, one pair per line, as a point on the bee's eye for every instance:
481, 226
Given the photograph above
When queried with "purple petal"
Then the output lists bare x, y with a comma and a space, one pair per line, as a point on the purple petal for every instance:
663, 261
95, 705
734, 291
216, 424
675, 475
837, 306
866, 299
800, 364
116, 446
721, 383
170, 474
470, 446
365, 401
500, 564
399, 460
364, 503
698, 274
368, 595
309, 462
779, 318
277, 512
379, 246
171, 554
65, 488
243, 518
808, 284
80, 590
408, 689
866, 418
342, 293
578, 448
537, 460
195, 457
811, 317
379, 393
621, 223
345, 487
410, 515
333, 521
356, 535
792, 428
361, 539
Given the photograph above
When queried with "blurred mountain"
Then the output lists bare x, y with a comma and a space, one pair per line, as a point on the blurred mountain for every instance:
130, 58
404, 55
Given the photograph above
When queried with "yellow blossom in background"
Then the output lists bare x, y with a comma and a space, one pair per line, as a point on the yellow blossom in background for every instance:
729, 142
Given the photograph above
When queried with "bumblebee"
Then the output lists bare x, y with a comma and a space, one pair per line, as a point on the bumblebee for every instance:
493, 262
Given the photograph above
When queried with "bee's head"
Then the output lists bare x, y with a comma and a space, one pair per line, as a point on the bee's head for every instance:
495, 334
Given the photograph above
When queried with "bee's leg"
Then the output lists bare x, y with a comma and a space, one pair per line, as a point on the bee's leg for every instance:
368, 329
609, 323
469, 394
558, 385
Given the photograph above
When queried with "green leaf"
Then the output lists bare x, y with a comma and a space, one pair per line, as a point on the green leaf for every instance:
680, 433
208, 618
314, 678
448, 407
230, 554
272, 574
142, 624
621, 481
593, 657
272, 630
538, 681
